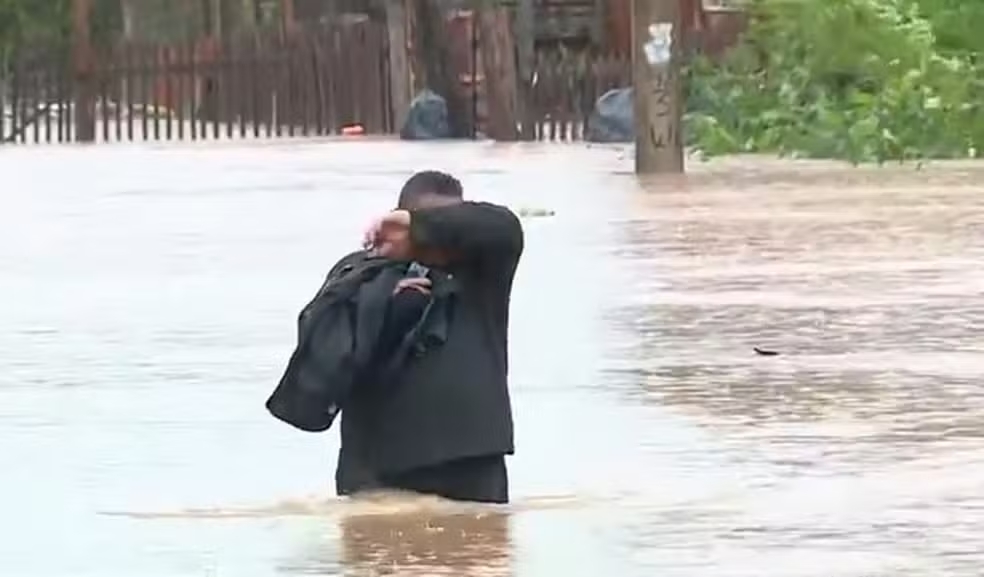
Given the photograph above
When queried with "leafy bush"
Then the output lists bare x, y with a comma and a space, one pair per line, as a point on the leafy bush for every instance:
863, 80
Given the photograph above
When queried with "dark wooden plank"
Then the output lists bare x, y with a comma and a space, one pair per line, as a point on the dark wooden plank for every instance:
167, 77
499, 66
58, 81
550, 100
226, 88
349, 76
47, 88
39, 109
277, 80
253, 69
378, 79
318, 82
305, 83
3, 107
340, 85
43, 106
24, 115
102, 97
16, 134
237, 128
336, 83
116, 78
290, 109
398, 62
361, 64
205, 88
268, 94
180, 69
375, 100
237, 88
193, 88
243, 88
129, 86
143, 56
155, 83
570, 84
215, 95
356, 82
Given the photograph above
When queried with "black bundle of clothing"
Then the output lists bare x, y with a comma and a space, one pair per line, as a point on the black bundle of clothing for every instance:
358, 333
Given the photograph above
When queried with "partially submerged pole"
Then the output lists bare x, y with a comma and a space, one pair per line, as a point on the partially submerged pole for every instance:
657, 90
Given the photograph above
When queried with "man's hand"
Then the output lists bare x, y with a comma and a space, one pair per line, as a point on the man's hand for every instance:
419, 284
389, 236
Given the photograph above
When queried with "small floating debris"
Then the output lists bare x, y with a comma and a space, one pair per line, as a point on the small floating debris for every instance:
765, 352
527, 212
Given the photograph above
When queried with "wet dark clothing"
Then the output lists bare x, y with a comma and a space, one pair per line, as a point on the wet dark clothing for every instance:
444, 423
341, 345
476, 479
335, 343
405, 310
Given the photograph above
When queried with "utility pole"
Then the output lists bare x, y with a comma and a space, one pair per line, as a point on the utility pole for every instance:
656, 53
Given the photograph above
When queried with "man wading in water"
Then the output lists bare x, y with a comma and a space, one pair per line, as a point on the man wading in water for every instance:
444, 425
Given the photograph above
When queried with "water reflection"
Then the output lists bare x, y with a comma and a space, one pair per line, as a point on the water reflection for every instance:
405, 535
427, 543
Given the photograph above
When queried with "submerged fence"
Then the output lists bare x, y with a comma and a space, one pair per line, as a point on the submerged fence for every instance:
566, 87
320, 82
330, 80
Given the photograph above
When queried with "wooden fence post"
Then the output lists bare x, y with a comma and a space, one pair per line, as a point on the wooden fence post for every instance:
287, 15
526, 55
399, 67
499, 65
433, 59
85, 101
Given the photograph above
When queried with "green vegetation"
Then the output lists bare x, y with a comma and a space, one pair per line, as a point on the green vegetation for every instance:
862, 80
31, 20
47, 23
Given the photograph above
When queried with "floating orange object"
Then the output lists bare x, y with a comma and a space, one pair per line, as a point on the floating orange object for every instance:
353, 130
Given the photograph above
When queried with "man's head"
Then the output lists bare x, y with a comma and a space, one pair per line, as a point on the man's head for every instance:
430, 188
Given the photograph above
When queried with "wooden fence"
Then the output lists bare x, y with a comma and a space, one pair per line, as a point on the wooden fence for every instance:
318, 82
566, 87
329, 80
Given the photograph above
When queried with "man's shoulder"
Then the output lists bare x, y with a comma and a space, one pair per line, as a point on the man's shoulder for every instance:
352, 258
349, 262
341, 269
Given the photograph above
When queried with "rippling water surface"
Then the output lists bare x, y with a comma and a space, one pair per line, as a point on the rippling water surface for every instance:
147, 304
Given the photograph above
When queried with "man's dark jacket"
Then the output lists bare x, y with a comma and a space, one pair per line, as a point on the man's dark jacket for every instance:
339, 338
451, 402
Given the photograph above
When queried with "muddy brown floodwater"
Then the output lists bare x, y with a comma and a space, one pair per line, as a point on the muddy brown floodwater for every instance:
147, 305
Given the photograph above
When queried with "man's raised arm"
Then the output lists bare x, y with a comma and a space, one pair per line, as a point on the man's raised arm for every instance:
467, 231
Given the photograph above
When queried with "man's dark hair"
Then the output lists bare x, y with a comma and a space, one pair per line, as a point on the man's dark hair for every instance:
429, 183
